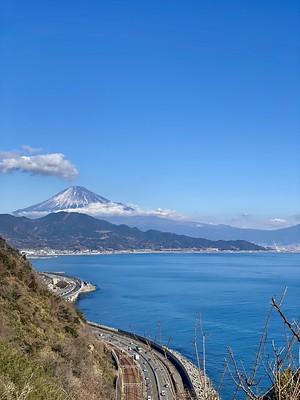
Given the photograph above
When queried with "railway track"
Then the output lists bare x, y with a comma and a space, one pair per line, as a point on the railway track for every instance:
156, 378
132, 380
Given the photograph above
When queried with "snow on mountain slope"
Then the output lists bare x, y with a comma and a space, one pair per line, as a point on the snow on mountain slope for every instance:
75, 199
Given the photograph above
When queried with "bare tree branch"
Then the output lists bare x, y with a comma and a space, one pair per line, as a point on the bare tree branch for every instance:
283, 370
277, 307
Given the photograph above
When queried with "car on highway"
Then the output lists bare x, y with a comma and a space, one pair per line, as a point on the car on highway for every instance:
163, 393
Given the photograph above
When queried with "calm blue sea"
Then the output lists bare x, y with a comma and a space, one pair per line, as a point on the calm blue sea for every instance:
160, 294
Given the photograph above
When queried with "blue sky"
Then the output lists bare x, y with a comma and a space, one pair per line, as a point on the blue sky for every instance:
191, 106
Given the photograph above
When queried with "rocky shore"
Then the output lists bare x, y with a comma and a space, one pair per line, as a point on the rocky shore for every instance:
201, 383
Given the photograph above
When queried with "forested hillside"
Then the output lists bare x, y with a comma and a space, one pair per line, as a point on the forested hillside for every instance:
46, 349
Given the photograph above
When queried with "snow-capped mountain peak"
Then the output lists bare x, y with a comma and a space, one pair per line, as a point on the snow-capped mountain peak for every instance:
75, 199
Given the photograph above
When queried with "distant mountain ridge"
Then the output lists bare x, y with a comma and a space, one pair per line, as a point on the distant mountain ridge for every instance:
283, 236
79, 232
80, 199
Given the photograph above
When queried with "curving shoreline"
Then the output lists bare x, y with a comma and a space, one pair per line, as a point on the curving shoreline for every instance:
65, 286
70, 288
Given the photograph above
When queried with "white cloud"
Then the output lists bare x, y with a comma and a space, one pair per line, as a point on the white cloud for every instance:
96, 209
45, 164
109, 209
278, 221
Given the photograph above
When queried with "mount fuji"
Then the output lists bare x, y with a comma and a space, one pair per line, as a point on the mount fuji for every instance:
75, 199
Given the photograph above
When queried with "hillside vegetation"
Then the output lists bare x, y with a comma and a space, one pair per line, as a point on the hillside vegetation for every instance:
46, 348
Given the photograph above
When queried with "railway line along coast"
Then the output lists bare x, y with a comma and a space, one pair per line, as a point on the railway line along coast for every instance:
146, 369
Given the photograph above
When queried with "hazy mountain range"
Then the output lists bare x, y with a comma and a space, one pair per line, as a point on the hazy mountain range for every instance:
79, 232
283, 236
79, 199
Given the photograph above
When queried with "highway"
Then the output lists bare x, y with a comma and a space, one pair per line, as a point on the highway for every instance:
160, 380
65, 286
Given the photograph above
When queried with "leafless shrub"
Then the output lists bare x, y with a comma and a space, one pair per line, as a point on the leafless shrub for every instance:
281, 369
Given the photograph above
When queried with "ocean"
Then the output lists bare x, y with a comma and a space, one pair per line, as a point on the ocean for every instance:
162, 295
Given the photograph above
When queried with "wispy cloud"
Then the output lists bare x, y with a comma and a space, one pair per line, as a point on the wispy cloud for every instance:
243, 220
164, 213
278, 221
261, 222
53, 164
31, 150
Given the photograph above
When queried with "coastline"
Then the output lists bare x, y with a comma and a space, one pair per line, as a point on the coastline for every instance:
200, 383
48, 253
66, 286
